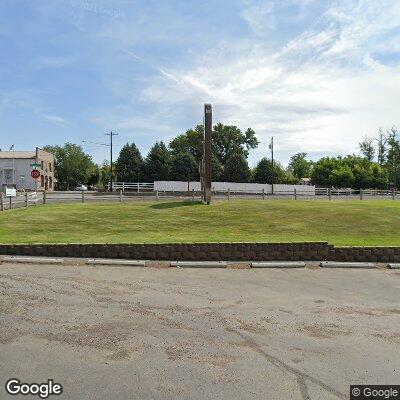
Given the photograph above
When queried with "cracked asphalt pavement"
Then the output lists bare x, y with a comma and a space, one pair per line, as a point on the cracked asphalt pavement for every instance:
168, 333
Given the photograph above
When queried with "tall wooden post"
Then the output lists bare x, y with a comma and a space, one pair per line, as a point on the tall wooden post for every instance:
207, 154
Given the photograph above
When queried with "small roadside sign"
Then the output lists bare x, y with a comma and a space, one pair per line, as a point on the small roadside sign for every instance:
35, 174
11, 192
35, 165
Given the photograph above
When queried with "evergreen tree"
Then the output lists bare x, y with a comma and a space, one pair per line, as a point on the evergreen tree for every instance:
264, 173
157, 166
129, 165
236, 169
184, 167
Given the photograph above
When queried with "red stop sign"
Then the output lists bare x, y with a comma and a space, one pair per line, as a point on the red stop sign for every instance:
35, 174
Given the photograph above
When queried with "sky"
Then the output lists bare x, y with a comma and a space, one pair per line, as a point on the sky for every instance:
317, 75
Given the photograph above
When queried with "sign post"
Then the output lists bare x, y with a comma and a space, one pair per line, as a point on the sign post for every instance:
35, 174
10, 193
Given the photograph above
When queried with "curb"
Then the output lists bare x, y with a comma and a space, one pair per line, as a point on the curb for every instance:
199, 264
32, 260
195, 264
334, 264
278, 264
125, 263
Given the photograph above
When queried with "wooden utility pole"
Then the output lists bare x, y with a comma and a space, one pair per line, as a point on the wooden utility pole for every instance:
111, 158
271, 146
207, 154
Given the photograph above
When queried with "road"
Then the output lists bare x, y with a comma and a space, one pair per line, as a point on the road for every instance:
167, 333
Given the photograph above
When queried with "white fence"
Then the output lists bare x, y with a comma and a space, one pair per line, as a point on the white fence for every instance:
28, 199
135, 186
180, 186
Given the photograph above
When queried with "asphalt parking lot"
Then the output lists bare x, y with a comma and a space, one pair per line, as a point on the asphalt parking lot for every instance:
148, 333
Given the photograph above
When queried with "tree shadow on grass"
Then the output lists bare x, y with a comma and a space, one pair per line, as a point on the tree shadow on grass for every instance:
176, 204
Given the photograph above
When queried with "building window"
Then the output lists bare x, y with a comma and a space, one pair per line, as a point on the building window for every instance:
50, 183
42, 180
42, 166
50, 167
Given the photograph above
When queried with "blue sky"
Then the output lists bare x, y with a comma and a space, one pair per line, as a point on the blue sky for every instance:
317, 75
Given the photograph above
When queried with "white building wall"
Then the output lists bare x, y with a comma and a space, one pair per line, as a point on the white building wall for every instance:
179, 186
22, 168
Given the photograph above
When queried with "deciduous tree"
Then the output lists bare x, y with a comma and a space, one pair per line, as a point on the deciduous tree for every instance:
72, 166
299, 166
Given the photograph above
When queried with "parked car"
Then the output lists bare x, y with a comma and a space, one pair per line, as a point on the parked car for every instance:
81, 187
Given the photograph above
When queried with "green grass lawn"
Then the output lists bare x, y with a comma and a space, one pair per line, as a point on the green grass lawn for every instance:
373, 222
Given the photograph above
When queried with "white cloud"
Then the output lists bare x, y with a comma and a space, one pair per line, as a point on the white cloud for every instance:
55, 119
260, 17
321, 92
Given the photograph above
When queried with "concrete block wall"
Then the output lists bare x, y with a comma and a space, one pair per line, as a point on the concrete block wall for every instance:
307, 251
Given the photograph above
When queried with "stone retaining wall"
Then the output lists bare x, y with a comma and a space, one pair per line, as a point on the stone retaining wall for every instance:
308, 251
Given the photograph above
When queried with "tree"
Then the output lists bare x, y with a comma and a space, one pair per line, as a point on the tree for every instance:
264, 173
105, 174
382, 141
189, 142
393, 156
71, 165
342, 177
217, 170
321, 174
367, 148
129, 165
351, 171
236, 169
228, 140
299, 166
94, 176
184, 167
157, 165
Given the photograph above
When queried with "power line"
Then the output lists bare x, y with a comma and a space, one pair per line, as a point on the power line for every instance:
100, 144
